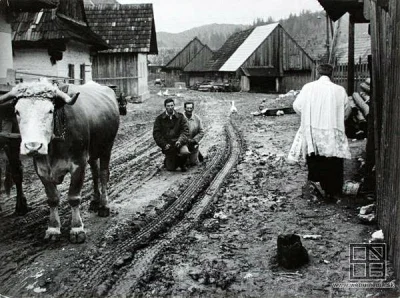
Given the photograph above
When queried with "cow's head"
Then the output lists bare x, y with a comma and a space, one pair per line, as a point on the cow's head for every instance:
35, 104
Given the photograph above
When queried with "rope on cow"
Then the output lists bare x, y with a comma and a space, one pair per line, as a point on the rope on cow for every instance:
60, 124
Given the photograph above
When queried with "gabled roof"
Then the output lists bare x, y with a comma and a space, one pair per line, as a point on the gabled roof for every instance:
198, 63
184, 56
248, 46
228, 48
61, 24
126, 27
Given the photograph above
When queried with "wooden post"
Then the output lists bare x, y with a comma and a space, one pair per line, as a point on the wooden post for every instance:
327, 36
277, 87
350, 63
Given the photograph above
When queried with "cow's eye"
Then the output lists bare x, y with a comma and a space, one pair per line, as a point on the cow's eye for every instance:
51, 112
17, 112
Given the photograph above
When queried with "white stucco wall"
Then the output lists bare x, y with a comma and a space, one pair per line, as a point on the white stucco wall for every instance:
6, 59
143, 91
37, 61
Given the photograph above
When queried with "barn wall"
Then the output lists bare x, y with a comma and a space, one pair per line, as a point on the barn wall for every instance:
295, 80
293, 56
186, 55
281, 52
143, 92
37, 61
120, 69
266, 55
385, 36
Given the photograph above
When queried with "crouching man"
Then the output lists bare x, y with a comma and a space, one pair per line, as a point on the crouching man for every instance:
196, 133
171, 132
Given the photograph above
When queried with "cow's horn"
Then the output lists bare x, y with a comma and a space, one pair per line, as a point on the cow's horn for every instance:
66, 98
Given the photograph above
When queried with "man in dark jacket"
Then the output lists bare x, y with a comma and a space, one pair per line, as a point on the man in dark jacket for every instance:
171, 132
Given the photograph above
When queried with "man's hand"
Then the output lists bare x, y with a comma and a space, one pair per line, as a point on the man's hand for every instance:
178, 144
167, 147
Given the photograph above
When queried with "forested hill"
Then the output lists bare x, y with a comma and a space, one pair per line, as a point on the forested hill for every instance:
307, 28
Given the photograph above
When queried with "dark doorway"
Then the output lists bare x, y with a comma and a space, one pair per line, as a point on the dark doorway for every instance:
262, 84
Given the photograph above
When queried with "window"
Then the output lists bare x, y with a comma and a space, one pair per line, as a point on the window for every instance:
83, 78
71, 73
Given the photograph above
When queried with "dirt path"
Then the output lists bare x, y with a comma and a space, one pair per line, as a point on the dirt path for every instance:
149, 246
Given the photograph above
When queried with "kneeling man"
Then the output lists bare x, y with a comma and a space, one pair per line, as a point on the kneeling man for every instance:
171, 134
196, 133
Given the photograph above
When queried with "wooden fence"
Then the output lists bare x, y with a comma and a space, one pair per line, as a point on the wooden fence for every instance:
361, 73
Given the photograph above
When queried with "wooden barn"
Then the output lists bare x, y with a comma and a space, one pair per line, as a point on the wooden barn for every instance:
174, 69
262, 59
383, 141
55, 43
130, 30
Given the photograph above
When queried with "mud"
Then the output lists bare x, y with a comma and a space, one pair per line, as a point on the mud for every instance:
228, 248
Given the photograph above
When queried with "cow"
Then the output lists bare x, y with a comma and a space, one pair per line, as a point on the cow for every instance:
10, 146
63, 133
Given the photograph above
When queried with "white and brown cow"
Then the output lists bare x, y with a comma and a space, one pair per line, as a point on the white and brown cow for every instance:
63, 134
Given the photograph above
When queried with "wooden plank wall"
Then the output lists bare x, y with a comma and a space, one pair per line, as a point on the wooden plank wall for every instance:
119, 69
280, 51
385, 36
186, 55
295, 80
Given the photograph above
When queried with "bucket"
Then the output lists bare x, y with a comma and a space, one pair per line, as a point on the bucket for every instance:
350, 187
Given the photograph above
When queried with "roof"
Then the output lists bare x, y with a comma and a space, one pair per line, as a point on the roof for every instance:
362, 48
198, 63
64, 23
249, 45
126, 27
228, 48
337, 8
96, 2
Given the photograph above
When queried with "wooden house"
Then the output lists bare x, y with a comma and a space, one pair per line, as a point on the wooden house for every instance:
55, 43
383, 143
174, 69
130, 30
263, 59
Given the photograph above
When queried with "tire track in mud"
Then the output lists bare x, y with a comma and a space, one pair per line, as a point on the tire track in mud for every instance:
117, 272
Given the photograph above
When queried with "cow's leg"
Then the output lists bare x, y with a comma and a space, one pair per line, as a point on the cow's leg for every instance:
94, 167
77, 233
53, 231
104, 209
15, 169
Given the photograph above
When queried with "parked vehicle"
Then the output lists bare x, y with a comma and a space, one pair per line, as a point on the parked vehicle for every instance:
159, 82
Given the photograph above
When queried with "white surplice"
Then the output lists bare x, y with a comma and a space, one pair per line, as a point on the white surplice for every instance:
323, 107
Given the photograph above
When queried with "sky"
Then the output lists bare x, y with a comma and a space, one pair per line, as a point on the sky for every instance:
179, 15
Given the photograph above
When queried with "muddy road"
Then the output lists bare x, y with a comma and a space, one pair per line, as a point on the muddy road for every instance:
207, 232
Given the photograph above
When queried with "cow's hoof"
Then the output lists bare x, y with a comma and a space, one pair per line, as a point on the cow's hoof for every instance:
94, 206
52, 234
104, 211
77, 236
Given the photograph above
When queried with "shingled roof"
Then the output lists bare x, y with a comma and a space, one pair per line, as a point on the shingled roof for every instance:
228, 48
61, 24
125, 27
362, 48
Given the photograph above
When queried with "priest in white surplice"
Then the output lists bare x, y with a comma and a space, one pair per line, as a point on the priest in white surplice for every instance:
321, 139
